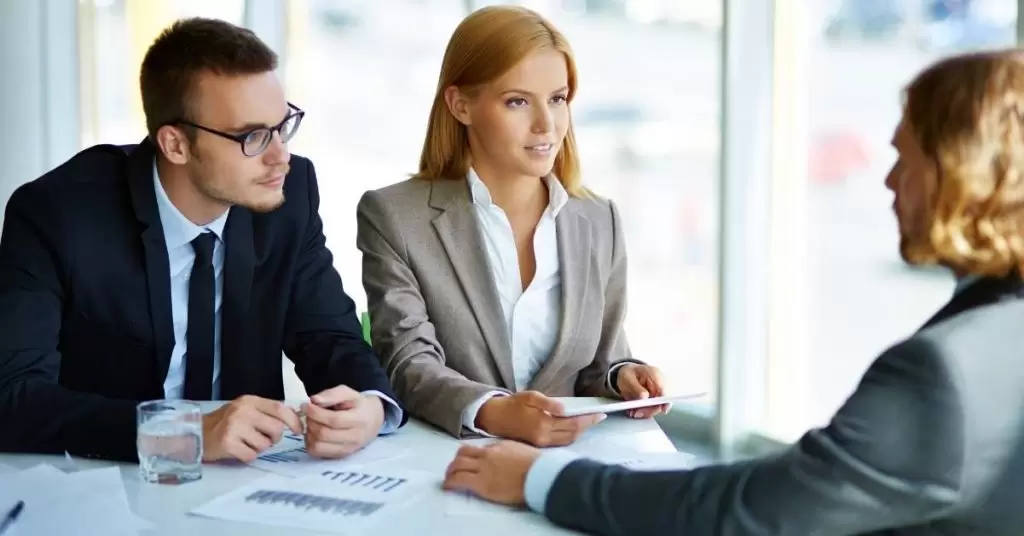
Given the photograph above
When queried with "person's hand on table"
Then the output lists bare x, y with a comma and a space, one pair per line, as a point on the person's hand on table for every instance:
245, 427
340, 421
534, 418
637, 382
496, 473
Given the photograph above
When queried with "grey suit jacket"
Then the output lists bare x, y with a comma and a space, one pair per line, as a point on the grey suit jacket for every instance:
930, 442
436, 317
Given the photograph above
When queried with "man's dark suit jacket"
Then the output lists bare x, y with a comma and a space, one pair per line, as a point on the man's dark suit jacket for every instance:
85, 307
930, 442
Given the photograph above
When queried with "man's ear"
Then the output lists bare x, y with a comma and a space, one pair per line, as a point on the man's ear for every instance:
174, 144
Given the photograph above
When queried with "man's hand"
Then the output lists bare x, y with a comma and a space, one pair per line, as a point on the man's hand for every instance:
641, 381
532, 417
245, 427
496, 472
340, 421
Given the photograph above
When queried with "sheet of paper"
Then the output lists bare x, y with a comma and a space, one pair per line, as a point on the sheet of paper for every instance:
289, 457
107, 481
660, 461
611, 450
581, 405
56, 503
640, 461
596, 445
347, 502
4, 469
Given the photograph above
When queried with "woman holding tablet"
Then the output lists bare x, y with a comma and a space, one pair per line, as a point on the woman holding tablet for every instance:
495, 280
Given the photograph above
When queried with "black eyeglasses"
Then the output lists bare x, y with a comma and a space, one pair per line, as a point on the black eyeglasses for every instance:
255, 141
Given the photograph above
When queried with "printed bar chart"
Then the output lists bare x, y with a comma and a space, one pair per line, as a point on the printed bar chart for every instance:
343, 507
361, 498
382, 483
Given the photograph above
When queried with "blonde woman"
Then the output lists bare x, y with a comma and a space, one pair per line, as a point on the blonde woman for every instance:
932, 439
495, 281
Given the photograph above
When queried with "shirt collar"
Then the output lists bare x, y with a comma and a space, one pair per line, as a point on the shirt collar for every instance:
179, 230
557, 196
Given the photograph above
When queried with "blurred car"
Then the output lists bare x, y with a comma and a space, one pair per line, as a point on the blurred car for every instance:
631, 137
338, 15
835, 156
961, 25
865, 19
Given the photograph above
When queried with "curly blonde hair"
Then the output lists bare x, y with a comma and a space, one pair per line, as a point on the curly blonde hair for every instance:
967, 114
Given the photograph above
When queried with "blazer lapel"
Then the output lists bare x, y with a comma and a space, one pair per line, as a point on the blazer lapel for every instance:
978, 293
459, 232
239, 261
574, 235
158, 272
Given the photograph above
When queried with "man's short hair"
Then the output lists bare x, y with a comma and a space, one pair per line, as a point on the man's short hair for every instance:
186, 49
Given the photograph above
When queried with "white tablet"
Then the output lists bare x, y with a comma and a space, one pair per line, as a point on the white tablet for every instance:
575, 406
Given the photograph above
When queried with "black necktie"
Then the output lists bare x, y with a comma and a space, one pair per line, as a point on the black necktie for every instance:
199, 337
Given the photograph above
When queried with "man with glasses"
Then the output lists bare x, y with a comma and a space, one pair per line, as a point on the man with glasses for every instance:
183, 267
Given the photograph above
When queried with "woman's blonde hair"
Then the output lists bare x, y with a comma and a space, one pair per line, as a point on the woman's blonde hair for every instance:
967, 115
487, 44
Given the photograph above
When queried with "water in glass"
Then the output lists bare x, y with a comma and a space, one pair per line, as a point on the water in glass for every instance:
170, 442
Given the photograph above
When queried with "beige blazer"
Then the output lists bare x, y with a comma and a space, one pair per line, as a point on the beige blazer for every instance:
436, 318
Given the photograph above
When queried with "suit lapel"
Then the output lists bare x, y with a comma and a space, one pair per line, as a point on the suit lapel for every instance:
979, 293
158, 272
239, 261
574, 235
459, 232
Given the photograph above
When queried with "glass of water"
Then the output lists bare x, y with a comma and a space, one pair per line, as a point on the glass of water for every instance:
170, 441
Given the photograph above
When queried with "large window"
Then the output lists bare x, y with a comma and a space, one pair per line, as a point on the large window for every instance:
113, 38
365, 72
860, 296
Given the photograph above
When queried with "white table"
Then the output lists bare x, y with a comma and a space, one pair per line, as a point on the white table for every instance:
167, 506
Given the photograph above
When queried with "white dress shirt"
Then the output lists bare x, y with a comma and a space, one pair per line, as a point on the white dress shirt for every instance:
179, 232
532, 316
